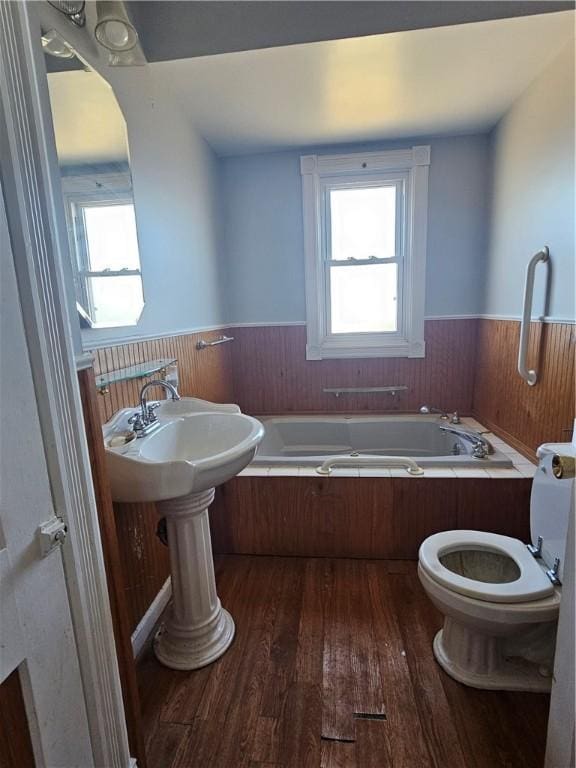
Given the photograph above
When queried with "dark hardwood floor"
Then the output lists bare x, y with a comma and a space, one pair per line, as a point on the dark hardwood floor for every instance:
331, 667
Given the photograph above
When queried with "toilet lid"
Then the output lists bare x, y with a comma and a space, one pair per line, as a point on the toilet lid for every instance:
530, 584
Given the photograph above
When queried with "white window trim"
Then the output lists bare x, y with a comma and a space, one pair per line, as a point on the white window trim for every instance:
412, 166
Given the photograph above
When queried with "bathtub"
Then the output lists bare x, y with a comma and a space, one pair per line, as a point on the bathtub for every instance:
310, 440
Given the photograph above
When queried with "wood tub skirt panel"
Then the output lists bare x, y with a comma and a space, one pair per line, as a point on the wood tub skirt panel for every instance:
384, 518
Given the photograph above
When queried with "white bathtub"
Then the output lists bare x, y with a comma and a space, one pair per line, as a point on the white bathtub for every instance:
310, 440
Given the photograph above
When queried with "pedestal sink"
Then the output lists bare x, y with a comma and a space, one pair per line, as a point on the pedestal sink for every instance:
197, 446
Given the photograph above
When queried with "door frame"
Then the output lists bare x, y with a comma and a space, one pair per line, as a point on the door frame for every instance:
34, 211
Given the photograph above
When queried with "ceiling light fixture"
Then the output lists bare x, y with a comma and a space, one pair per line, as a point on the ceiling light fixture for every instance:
113, 29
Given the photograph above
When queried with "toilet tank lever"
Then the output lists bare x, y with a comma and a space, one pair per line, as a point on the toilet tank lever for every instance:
536, 551
552, 573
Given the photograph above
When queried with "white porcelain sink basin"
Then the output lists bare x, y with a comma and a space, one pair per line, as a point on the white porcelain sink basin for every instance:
197, 446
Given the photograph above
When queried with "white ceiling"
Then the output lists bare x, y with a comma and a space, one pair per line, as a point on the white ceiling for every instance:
88, 122
432, 81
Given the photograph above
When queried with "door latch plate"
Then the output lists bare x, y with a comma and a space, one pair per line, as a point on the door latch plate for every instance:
51, 535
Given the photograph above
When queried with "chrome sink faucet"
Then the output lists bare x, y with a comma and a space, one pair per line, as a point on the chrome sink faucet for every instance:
454, 418
146, 421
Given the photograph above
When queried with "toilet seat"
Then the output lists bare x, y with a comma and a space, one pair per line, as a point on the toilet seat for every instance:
532, 584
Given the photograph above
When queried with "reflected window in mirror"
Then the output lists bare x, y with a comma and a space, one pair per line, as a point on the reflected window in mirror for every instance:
104, 244
91, 142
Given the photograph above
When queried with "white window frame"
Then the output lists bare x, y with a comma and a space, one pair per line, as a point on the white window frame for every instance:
407, 169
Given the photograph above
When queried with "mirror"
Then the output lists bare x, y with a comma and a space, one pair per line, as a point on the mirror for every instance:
92, 146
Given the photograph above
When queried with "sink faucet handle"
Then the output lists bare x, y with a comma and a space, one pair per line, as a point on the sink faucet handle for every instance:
150, 408
136, 422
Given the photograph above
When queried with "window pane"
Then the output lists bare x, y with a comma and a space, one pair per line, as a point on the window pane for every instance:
115, 300
111, 237
363, 298
363, 223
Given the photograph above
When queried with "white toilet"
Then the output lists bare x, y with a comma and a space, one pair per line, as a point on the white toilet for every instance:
497, 594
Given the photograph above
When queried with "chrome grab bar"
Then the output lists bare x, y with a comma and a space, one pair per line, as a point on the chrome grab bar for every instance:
370, 461
222, 340
529, 376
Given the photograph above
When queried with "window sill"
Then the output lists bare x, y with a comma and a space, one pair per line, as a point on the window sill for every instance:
332, 350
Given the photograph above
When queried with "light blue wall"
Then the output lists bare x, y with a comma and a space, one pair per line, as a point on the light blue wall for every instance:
532, 200
175, 179
263, 239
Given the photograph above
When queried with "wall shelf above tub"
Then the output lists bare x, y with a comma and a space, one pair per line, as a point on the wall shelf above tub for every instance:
137, 371
337, 391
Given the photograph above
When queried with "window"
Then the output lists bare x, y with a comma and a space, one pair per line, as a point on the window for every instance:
365, 245
102, 229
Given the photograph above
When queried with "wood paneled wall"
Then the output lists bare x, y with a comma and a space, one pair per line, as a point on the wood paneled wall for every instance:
526, 416
15, 743
272, 375
205, 373
360, 517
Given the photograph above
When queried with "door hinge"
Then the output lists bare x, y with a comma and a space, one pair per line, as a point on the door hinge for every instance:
51, 535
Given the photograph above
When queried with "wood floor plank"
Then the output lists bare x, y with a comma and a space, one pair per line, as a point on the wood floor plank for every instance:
372, 746
310, 651
366, 681
435, 713
266, 742
337, 694
402, 715
163, 744
300, 745
284, 642
337, 754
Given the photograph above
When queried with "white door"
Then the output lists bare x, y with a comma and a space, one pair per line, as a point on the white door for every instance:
36, 634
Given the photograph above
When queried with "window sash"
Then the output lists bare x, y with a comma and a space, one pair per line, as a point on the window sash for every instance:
398, 182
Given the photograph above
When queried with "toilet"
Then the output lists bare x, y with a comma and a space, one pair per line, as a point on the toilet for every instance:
501, 598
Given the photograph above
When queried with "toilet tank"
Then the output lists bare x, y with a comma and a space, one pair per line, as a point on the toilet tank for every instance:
551, 504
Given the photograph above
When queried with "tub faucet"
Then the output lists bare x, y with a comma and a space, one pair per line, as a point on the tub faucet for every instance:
481, 447
454, 418
145, 421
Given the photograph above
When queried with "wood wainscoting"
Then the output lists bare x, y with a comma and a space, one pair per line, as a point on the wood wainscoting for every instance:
272, 375
15, 743
205, 373
526, 416
360, 517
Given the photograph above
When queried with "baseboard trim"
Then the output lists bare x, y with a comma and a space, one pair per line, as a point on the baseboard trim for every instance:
151, 617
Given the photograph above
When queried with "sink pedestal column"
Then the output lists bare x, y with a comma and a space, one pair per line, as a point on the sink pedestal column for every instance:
197, 630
